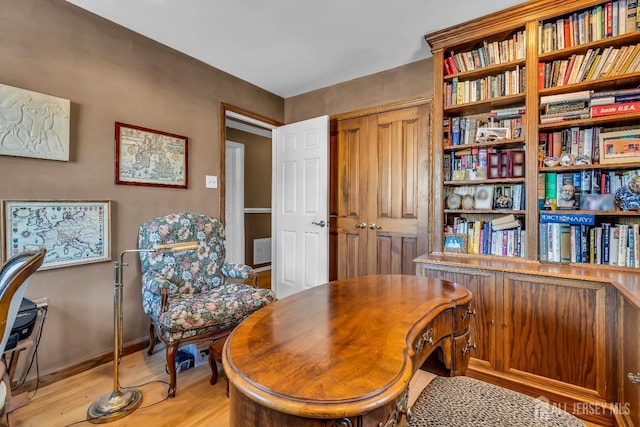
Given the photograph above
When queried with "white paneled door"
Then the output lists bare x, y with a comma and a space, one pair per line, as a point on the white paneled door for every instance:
300, 206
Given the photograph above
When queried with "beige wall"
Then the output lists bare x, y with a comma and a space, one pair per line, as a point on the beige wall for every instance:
411, 81
110, 74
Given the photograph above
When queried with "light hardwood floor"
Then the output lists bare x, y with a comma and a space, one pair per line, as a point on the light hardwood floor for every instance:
197, 403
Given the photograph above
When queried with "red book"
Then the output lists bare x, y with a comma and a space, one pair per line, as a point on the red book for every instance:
569, 68
613, 109
447, 69
608, 16
541, 75
567, 33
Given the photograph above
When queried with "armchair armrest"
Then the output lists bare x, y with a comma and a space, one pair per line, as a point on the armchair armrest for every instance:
241, 272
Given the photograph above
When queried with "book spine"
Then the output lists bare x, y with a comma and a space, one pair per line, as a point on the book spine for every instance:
613, 109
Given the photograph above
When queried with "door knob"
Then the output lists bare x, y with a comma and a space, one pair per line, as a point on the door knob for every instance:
372, 226
362, 225
319, 224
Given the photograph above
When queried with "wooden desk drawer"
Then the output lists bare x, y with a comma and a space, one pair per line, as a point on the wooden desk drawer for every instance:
461, 318
431, 334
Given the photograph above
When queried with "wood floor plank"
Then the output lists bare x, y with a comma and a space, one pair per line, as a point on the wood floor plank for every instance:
197, 403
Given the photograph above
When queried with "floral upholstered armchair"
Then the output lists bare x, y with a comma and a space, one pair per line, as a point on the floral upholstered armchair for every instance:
187, 293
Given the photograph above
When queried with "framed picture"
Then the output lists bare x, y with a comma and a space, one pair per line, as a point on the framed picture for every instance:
486, 134
517, 132
33, 124
73, 232
620, 147
484, 197
150, 157
454, 242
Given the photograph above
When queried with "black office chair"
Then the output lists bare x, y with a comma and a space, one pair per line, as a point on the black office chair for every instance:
14, 278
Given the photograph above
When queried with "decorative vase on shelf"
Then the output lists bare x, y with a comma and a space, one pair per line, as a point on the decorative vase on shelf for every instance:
627, 197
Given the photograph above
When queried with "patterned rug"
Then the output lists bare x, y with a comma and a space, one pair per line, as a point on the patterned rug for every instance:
467, 402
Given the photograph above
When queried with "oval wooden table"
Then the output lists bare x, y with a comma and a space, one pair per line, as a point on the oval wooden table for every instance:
343, 353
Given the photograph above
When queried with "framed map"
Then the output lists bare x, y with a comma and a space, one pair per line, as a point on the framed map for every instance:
73, 232
150, 157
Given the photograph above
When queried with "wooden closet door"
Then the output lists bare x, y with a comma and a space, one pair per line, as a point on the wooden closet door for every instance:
381, 184
351, 196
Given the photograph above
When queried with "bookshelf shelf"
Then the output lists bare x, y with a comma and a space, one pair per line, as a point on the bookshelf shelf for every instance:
627, 38
505, 143
483, 106
613, 82
480, 72
485, 181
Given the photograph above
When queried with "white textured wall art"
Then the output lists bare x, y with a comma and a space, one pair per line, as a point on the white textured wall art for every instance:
33, 124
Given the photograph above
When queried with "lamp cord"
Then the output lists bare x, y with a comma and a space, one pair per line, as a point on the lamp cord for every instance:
44, 309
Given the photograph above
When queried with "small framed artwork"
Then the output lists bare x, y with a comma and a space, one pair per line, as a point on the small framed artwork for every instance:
455, 242
73, 231
517, 132
486, 134
484, 197
150, 157
620, 147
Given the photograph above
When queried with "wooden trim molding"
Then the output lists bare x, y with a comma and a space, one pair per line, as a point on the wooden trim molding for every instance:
515, 16
382, 108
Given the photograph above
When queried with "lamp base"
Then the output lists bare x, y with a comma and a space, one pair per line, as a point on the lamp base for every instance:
114, 406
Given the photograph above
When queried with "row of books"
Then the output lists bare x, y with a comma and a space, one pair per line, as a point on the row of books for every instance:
580, 142
490, 53
585, 104
510, 82
604, 244
602, 21
595, 64
483, 239
586, 182
463, 130
478, 163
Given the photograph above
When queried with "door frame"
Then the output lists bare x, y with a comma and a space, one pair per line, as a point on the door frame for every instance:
244, 115
235, 233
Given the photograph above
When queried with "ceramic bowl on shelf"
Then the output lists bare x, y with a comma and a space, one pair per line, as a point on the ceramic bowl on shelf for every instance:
551, 161
627, 197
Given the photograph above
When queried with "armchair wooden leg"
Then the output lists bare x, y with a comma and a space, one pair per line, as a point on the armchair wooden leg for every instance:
152, 339
172, 349
212, 364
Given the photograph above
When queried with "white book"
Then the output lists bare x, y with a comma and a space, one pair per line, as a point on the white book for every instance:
622, 245
614, 239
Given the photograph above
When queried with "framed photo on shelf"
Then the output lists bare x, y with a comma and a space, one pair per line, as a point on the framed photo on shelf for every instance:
487, 134
73, 232
484, 197
455, 242
150, 157
620, 147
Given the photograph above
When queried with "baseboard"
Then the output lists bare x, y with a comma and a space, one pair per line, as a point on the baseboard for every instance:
600, 412
85, 365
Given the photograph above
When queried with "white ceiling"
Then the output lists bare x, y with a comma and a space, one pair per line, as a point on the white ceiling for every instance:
289, 47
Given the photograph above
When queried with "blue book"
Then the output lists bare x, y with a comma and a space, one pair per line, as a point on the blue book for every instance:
568, 218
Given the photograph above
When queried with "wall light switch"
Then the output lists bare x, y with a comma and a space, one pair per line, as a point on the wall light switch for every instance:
212, 181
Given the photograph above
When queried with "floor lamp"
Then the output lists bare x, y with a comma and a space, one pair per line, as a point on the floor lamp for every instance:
121, 402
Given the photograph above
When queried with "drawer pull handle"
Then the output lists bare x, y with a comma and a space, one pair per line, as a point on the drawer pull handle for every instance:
634, 378
467, 347
468, 313
426, 338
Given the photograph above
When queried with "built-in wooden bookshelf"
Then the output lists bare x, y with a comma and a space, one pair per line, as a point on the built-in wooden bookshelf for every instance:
520, 298
518, 63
